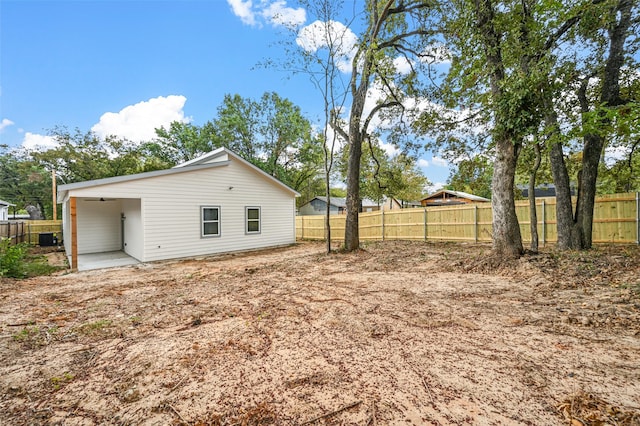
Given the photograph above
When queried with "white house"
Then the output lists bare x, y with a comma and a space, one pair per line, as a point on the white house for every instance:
213, 204
4, 210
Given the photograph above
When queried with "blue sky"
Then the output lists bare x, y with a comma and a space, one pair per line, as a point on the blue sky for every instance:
126, 67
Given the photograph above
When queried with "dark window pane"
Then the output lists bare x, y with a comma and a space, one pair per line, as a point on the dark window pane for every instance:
210, 214
253, 226
211, 228
253, 213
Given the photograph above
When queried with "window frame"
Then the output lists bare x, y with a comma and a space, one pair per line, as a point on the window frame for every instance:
247, 220
203, 222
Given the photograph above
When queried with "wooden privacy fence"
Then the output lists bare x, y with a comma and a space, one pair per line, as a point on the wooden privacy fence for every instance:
616, 220
29, 231
14, 231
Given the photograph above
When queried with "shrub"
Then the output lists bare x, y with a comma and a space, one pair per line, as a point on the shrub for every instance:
12, 259
16, 262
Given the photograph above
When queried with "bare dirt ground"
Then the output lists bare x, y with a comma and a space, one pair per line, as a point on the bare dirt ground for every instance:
399, 333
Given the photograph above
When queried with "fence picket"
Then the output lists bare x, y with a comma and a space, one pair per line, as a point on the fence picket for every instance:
616, 220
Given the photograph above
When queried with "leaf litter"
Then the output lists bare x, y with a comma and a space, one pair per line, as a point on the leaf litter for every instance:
398, 333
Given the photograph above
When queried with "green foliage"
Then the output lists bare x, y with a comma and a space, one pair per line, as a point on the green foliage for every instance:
179, 143
272, 134
382, 176
472, 176
85, 156
23, 181
12, 259
16, 262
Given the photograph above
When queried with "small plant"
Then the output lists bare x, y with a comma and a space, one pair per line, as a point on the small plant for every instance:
27, 334
32, 336
57, 382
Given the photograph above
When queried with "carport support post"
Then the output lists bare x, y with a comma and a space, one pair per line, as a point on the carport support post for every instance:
74, 233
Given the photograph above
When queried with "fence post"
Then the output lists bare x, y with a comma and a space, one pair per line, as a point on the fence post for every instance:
324, 226
382, 224
475, 219
638, 218
544, 224
425, 224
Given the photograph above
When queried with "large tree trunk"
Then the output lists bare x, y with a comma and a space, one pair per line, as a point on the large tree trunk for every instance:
533, 214
564, 208
594, 143
351, 231
507, 241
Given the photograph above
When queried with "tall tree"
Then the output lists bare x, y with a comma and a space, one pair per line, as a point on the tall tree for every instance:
24, 182
81, 156
317, 51
271, 133
393, 29
605, 30
179, 143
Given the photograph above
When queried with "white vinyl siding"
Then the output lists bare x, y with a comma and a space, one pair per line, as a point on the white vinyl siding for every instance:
210, 217
171, 210
252, 220
99, 225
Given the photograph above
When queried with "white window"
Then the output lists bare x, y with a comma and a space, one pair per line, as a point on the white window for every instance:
210, 221
252, 215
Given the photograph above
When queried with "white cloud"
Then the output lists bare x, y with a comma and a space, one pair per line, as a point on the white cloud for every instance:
438, 161
5, 123
615, 154
332, 34
390, 149
434, 187
278, 14
35, 142
423, 163
138, 122
243, 10
402, 64
275, 13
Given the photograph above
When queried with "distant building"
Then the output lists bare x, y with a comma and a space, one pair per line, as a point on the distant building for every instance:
318, 206
541, 191
4, 210
446, 197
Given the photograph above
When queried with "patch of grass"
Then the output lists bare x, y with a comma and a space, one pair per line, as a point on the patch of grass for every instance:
58, 382
33, 336
95, 327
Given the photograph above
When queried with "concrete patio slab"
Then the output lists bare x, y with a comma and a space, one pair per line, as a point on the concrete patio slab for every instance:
109, 259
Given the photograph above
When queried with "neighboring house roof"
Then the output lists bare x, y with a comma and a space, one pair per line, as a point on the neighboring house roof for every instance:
548, 190
342, 202
459, 194
6, 203
216, 158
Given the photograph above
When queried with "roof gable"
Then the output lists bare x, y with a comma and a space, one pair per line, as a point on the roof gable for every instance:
218, 158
